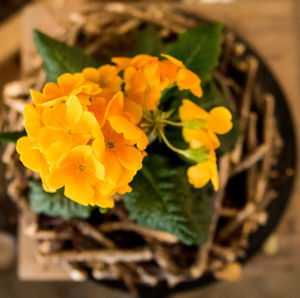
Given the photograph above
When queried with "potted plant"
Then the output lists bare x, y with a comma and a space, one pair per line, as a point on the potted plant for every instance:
151, 168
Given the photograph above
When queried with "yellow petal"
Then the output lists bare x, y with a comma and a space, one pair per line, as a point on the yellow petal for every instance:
90, 74
108, 78
113, 169
98, 108
186, 79
80, 191
134, 109
220, 120
69, 82
121, 62
104, 188
173, 60
86, 124
198, 175
37, 97
95, 167
48, 136
104, 201
74, 111
31, 158
56, 151
32, 121
190, 111
152, 96
76, 157
130, 157
115, 105
55, 117
124, 189
122, 125
51, 90
126, 178
98, 143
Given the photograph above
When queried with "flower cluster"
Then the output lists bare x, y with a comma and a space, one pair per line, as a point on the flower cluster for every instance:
217, 121
83, 132
80, 137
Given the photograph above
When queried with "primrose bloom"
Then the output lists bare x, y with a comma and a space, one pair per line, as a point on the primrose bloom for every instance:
146, 77
81, 136
217, 121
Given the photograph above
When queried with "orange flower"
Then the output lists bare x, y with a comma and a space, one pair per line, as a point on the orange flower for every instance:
119, 147
67, 85
185, 78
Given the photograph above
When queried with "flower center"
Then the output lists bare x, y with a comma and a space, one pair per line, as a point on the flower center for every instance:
81, 168
70, 132
110, 144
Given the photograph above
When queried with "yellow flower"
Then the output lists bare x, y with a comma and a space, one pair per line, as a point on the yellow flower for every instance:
200, 174
81, 136
66, 126
79, 171
67, 85
217, 121
106, 77
30, 155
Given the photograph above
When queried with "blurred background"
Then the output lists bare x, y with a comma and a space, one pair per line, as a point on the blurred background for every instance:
273, 28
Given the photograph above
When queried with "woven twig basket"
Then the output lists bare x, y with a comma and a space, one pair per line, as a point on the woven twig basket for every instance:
150, 257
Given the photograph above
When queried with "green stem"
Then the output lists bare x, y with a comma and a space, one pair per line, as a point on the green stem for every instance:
179, 124
163, 136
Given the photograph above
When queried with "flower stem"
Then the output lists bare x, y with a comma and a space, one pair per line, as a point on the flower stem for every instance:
179, 124
163, 136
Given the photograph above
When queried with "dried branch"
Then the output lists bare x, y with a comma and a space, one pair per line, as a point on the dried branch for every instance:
109, 256
130, 226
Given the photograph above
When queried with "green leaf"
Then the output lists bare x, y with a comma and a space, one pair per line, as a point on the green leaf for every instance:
162, 199
12, 137
55, 204
199, 49
59, 58
147, 42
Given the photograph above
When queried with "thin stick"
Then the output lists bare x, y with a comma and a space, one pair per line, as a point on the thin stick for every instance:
202, 256
251, 159
245, 108
88, 230
130, 226
109, 256
74, 271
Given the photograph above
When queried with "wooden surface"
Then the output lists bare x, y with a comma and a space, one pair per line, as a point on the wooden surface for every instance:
268, 25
